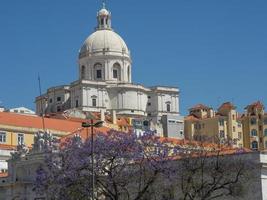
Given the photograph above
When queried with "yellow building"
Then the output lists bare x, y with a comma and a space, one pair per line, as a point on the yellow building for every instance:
254, 123
204, 124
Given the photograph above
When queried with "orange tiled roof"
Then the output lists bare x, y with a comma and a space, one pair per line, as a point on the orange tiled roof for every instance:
191, 117
227, 105
256, 104
13, 119
199, 106
84, 133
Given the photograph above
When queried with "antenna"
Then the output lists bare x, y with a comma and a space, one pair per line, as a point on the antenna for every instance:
42, 108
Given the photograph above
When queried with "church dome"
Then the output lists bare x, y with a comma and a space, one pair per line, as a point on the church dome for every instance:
104, 40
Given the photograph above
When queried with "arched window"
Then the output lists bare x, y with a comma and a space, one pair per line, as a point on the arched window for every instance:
83, 72
253, 132
254, 145
116, 71
98, 69
265, 132
168, 105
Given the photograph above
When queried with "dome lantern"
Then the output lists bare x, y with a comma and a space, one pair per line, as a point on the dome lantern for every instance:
103, 19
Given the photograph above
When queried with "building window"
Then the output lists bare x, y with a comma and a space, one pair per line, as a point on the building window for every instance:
98, 73
94, 102
58, 99
253, 121
260, 127
2, 137
20, 138
233, 128
253, 132
168, 107
58, 108
77, 103
149, 97
233, 116
115, 73
254, 145
265, 120
149, 104
221, 134
221, 122
51, 100
265, 132
83, 72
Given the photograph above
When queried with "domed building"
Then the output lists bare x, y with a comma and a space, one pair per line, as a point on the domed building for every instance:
105, 83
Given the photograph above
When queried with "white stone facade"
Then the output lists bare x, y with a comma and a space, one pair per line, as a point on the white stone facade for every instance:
105, 81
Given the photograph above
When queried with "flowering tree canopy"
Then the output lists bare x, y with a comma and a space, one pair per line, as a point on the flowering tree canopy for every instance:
127, 167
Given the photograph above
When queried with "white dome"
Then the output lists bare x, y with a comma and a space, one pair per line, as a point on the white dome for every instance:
104, 40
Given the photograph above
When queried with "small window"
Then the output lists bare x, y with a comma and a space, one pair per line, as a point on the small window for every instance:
233, 128
132, 111
58, 99
149, 104
102, 21
254, 145
253, 121
83, 72
233, 116
98, 73
149, 114
254, 132
20, 138
221, 122
149, 97
222, 135
94, 102
145, 123
265, 120
51, 100
77, 103
265, 132
239, 135
58, 108
115, 73
2, 137
168, 107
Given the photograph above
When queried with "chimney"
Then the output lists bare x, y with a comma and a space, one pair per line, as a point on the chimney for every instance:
102, 115
114, 117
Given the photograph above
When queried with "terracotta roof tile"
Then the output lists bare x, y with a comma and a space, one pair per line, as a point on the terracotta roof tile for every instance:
199, 106
256, 104
17, 120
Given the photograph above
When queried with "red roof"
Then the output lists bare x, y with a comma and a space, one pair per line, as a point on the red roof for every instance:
17, 120
227, 105
199, 106
256, 104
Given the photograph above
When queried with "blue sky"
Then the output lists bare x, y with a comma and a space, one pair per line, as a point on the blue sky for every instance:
213, 50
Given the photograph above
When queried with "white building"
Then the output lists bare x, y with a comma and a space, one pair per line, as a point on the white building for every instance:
21, 110
105, 82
